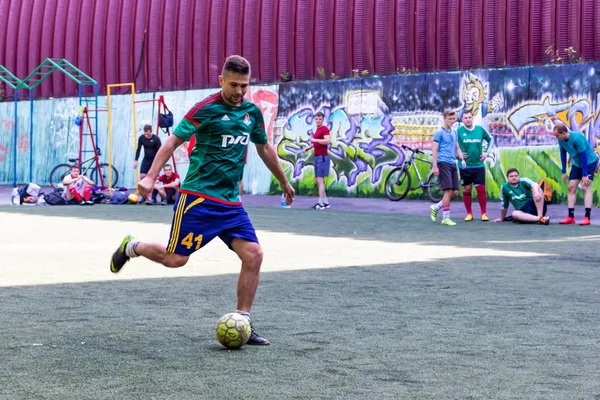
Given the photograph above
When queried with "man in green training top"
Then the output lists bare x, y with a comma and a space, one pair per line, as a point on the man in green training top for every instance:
584, 165
527, 198
470, 140
209, 204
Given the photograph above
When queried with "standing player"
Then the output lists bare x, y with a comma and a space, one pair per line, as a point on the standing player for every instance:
208, 204
585, 162
444, 150
527, 198
151, 143
470, 140
320, 141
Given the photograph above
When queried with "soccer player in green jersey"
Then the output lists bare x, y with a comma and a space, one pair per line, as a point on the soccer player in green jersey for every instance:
527, 198
209, 204
584, 165
470, 140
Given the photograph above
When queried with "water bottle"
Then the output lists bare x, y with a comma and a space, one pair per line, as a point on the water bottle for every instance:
283, 201
15, 197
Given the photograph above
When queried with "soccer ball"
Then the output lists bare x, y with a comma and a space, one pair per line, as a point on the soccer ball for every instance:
133, 198
233, 330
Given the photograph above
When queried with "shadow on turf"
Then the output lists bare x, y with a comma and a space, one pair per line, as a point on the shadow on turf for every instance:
466, 327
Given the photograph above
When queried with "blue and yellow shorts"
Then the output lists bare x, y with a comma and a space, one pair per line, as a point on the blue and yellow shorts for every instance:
197, 221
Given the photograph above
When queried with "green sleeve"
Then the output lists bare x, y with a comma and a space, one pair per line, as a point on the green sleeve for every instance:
259, 135
488, 138
194, 121
459, 132
526, 182
505, 198
184, 130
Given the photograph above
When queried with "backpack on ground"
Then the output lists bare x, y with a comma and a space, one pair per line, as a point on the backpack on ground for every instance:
55, 198
97, 197
547, 188
119, 197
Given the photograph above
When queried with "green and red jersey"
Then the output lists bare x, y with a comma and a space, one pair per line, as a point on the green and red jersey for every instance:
221, 133
471, 143
516, 195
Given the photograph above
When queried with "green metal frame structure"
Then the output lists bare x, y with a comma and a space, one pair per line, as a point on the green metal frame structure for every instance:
33, 80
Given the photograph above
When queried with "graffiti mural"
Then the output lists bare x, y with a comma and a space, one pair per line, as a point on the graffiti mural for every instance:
371, 118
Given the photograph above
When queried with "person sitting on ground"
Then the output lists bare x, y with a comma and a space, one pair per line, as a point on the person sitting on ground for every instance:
167, 186
79, 187
527, 198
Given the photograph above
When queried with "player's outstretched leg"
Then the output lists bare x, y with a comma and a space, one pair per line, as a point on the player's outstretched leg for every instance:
251, 255
130, 248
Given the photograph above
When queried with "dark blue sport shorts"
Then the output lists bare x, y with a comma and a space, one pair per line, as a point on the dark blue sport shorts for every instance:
197, 221
577, 172
530, 208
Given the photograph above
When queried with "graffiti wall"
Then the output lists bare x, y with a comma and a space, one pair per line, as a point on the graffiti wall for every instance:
55, 136
370, 118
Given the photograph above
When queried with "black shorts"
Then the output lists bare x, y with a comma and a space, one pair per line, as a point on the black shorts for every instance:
448, 176
577, 172
530, 208
145, 167
469, 176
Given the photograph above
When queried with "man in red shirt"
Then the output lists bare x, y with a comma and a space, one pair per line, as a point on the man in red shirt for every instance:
166, 186
321, 140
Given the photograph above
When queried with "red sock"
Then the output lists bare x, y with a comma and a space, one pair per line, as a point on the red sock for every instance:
468, 200
482, 198
75, 194
87, 191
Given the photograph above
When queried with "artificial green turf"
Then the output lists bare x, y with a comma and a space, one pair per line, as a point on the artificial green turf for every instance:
465, 328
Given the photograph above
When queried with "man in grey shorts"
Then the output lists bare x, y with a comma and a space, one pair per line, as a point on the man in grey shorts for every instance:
444, 151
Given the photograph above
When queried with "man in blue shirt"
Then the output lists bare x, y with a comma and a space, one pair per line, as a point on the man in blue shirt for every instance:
444, 151
584, 163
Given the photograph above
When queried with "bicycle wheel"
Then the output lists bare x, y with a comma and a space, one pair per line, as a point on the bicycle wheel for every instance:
397, 184
433, 190
58, 174
104, 168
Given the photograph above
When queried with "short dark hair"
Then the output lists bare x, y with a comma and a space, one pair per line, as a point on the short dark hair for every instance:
448, 112
511, 170
237, 64
167, 165
147, 128
75, 166
467, 112
320, 114
561, 128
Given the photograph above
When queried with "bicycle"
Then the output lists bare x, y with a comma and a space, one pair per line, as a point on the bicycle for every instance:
398, 182
61, 170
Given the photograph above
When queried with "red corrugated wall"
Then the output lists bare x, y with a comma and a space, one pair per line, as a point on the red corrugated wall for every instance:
71, 42
471, 34
384, 46
324, 26
342, 37
181, 44
305, 34
285, 53
251, 34
183, 56
409, 31
363, 41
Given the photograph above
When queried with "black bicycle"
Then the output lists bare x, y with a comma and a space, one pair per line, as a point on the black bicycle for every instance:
61, 170
398, 182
